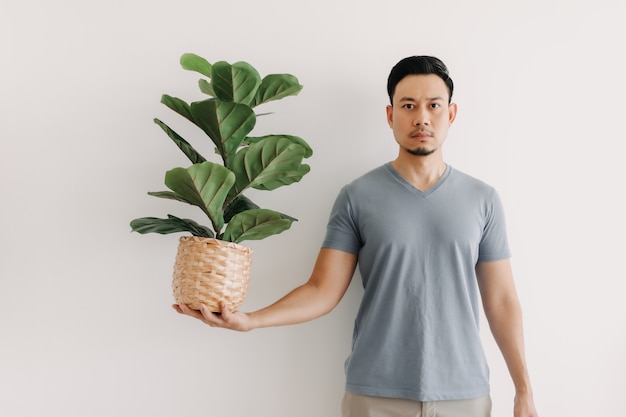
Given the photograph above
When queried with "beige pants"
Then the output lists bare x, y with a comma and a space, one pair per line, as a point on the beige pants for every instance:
363, 406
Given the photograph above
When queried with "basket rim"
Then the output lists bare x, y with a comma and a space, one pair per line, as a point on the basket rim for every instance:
191, 238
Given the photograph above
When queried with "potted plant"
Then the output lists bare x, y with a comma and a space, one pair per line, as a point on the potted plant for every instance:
211, 264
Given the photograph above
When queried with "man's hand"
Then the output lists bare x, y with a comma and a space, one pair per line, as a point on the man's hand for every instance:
524, 406
233, 320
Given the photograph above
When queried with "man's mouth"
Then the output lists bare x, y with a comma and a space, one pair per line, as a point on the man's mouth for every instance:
421, 134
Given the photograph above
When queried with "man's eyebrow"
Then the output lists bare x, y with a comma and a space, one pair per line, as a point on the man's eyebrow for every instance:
427, 98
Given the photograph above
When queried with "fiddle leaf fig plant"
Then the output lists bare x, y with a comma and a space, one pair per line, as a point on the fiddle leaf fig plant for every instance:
227, 117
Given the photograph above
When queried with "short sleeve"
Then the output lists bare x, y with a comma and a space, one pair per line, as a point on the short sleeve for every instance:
342, 231
494, 244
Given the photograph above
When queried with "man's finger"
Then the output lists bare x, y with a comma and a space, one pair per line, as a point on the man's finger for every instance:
226, 313
188, 311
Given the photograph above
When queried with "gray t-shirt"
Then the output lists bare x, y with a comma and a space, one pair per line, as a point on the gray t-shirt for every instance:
416, 334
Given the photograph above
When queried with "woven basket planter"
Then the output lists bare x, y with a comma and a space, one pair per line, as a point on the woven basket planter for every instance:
208, 271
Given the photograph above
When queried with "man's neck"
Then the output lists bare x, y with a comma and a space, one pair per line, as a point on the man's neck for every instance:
420, 171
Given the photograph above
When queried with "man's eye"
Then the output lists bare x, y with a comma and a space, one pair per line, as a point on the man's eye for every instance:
409, 106
435, 105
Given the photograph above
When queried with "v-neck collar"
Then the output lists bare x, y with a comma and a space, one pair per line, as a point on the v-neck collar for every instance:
416, 190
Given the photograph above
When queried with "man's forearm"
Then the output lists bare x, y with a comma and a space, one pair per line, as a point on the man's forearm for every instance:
505, 321
303, 304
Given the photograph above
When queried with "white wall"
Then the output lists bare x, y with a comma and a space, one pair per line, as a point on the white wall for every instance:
86, 325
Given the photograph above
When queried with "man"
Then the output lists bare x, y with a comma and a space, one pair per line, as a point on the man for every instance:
430, 242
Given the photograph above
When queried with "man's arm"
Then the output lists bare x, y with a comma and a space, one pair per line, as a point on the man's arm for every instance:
328, 283
503, 312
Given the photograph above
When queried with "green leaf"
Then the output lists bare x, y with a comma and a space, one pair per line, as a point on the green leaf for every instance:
206, 87
226, 123
308, 151
178, 105
288, 217
263, 164
193, 62
276, 87
168, 195
182, 144
241, 203
238, 82
255, 224
204, 185
172, 224
286, 179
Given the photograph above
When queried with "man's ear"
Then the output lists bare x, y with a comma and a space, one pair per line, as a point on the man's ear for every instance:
389, 115
452, 108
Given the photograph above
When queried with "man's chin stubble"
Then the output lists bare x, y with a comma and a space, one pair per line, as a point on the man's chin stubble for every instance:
420, 151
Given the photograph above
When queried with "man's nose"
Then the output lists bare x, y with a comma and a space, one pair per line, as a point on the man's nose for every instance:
421, 117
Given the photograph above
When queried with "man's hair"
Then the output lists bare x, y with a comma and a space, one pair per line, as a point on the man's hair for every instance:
418, 65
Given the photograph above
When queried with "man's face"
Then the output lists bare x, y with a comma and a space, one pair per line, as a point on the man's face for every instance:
420, 115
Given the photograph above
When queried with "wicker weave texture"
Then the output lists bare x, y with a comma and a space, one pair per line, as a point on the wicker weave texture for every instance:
208, 271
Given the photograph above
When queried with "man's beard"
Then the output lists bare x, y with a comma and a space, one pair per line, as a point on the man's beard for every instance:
420, 151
